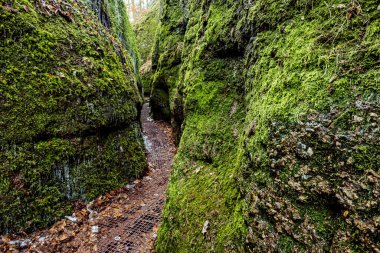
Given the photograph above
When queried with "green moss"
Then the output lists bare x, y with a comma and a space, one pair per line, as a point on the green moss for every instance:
160, 104
203, 182
286, 244
146, 81
303, 79
68, 112
365, 158
145, 31
166, 55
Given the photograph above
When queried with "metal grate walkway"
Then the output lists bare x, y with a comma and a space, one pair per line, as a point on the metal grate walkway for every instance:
125, 220
134, 231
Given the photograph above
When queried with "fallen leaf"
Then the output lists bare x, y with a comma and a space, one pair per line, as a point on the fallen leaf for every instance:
205, 227
26, 8
6, 238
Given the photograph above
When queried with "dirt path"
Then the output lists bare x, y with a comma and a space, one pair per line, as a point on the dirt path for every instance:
125, 220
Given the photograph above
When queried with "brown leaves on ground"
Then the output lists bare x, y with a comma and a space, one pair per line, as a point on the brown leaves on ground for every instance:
74, 234
123, 219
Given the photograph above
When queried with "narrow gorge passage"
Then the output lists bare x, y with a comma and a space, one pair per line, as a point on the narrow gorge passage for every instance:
134, 230
125, 220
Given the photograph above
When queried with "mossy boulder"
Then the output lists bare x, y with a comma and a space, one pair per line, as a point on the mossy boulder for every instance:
69, 112
279, 104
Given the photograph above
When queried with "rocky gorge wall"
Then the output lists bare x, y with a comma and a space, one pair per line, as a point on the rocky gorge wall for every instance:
276, 107
145, 30
69, 108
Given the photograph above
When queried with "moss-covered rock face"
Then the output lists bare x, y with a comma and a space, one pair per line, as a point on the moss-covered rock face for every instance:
166, 59
113, 14
278, 105
68, 111
145, 31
